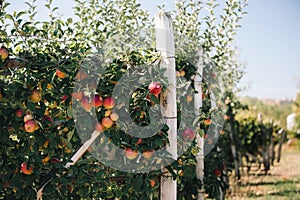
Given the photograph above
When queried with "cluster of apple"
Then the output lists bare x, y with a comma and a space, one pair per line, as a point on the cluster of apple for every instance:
30, 125
188, 135
28, 170
133, 154
36, 95
108, 103
155, 89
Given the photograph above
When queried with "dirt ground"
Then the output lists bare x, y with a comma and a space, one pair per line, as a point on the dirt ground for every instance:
282, 182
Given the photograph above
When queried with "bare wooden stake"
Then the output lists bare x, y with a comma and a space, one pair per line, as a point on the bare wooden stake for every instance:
165, 45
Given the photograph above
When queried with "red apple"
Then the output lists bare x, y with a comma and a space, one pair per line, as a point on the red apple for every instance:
182, 73
97, 100
81, 75
30, 126
189, 98
207, 122
48, 118
217, 172
36, 96
3, 53
131, 154
148, 154
86, 104
27, 117
77, 95
226, 117
109, 103
222, 132
107, 113
99, 127
152, 183
114, 116
60, 74
25, 170
188, 134
64, 98
55, 160
19, 113
155, 88
140, 141
107, 122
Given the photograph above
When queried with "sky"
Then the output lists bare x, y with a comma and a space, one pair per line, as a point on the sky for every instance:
268, 43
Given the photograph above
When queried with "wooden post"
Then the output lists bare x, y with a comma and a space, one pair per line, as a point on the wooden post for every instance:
200, 140
165, 45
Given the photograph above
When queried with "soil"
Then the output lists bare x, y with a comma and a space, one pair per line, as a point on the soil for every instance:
282, 181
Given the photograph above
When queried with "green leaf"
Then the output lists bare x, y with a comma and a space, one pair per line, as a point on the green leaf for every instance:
20, 14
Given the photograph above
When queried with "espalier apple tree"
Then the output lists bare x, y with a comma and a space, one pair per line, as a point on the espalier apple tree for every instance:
44, 75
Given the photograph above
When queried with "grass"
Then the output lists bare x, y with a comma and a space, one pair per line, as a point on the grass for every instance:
282, 183
278, 190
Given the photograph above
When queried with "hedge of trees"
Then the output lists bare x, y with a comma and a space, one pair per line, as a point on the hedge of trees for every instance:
48, 68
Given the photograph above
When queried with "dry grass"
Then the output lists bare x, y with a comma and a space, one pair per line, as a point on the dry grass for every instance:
282, 183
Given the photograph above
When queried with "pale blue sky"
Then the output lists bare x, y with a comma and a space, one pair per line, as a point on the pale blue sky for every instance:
268, 42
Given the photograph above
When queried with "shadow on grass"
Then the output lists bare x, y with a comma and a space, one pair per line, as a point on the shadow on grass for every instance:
274, 183
286, 193
283, 188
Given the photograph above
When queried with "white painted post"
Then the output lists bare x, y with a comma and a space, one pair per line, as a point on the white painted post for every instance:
165, 45
199, 139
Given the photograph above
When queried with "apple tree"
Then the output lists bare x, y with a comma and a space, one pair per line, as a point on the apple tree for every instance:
54, 78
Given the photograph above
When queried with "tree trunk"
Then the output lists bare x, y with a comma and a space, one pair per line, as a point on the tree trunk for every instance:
282, 133
272, 146
165, 45
265, 146
232, 135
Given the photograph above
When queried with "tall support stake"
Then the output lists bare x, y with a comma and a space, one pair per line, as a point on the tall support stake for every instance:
199, 139
165, 45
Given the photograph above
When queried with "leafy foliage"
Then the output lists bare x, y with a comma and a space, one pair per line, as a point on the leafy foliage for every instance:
39, 50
